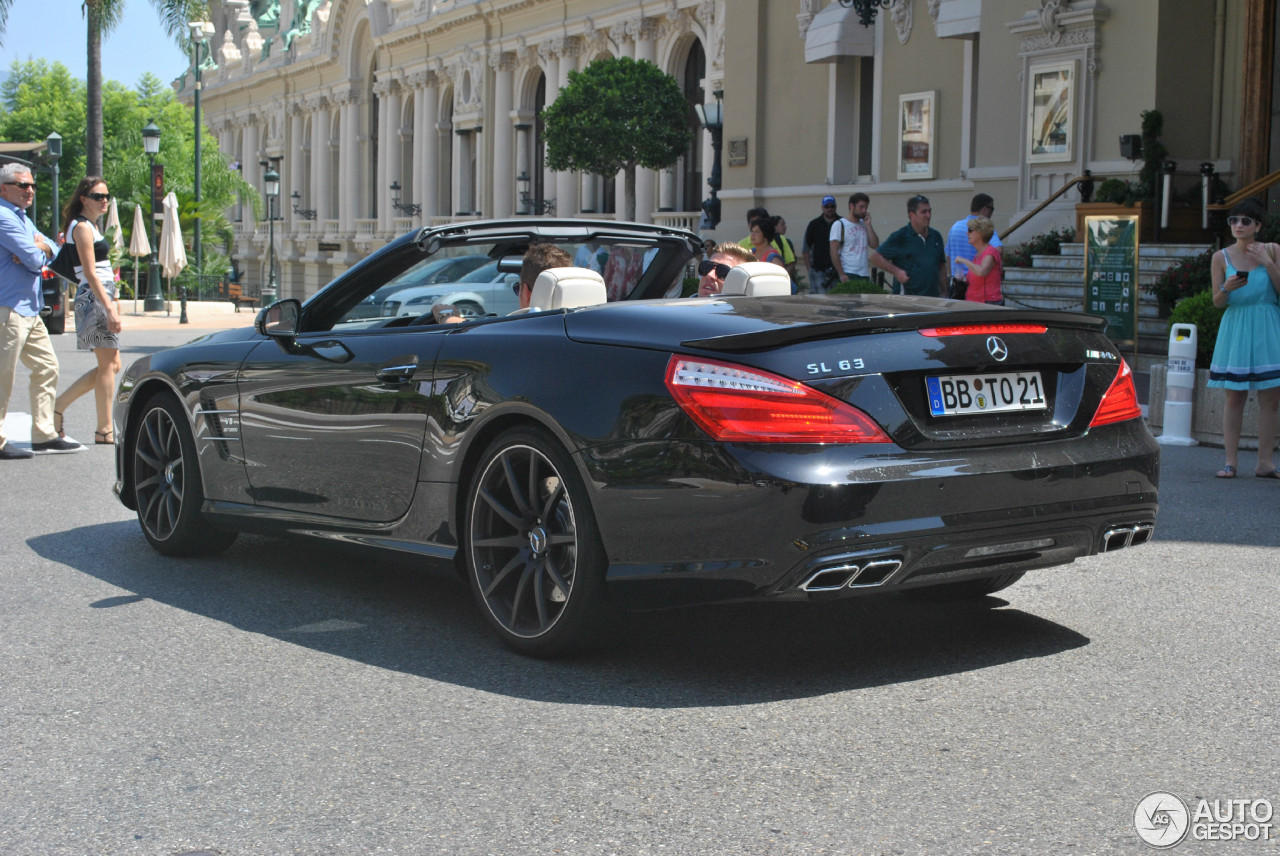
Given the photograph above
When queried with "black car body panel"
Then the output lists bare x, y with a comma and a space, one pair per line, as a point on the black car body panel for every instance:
372, 433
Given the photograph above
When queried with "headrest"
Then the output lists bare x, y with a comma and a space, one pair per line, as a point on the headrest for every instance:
757, 279
567, 287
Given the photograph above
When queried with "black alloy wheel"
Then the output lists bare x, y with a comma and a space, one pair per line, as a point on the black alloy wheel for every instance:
166, 484
534, 557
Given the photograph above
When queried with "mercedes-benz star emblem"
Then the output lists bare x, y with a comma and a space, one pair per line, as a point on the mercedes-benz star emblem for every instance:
996, 348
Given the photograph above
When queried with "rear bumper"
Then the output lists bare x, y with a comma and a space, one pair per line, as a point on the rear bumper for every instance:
744, 523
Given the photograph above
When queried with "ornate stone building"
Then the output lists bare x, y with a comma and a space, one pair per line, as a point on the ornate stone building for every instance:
384, 115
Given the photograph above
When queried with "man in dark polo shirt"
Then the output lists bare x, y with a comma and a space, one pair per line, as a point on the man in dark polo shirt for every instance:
915, 255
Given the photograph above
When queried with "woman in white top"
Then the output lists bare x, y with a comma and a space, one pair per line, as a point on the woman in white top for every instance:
96, 307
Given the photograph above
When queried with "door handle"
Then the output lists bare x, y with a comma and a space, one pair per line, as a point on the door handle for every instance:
399, 370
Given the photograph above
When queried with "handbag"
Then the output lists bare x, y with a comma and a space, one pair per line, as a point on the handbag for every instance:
64, 263
957, 288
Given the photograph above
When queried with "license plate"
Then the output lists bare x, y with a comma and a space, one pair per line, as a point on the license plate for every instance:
958, 395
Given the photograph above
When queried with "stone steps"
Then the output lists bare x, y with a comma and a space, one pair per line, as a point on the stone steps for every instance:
1057, 282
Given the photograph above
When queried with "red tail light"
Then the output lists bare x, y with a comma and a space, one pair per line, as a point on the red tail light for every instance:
45, 273
982, 330
1120, 402
733, 403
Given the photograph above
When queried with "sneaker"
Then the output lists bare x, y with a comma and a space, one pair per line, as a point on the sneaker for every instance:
13, 453
56, 446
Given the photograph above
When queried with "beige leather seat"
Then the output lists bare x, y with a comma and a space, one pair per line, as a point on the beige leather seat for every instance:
566, 288
757, 279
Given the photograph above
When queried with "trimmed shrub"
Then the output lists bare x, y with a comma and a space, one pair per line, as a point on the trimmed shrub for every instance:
1188, 277
856, 286
1048, 244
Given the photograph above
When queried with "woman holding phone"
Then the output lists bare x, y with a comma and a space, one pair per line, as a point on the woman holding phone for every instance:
1246, 283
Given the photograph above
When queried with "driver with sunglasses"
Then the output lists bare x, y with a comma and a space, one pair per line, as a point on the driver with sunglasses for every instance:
715, 267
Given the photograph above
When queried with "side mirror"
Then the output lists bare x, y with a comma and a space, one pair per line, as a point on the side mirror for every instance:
280, 319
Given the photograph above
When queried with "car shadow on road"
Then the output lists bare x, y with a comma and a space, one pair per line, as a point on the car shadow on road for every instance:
396, 612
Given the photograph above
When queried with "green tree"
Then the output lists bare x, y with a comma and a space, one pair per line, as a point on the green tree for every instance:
616, 114
40, 98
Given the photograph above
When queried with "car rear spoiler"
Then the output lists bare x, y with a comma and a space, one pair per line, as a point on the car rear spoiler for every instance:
780, 336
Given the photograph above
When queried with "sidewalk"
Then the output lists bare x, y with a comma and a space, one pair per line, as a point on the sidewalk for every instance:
201, 315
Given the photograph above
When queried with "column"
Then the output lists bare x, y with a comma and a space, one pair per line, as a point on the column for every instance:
348, 201
389, 166
551, 69
297, 178
523, 142
426, 149
646, 179
321, 177
667, 190
503, 174
566, 182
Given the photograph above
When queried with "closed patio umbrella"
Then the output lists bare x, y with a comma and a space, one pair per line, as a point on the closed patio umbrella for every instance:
113, 230
139, 247
173, 256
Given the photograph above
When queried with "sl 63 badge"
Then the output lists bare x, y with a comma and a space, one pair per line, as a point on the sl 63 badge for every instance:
854, 364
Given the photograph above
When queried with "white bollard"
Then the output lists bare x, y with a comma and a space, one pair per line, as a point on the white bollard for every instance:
1179, 386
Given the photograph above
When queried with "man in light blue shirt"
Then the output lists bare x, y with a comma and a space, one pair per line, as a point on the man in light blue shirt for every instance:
23, 252
958, 246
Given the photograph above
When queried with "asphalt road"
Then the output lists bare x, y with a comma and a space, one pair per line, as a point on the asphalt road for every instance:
295, 698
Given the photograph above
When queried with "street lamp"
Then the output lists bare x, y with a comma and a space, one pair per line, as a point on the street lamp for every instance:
866, 9
53, 145
712, 118
271, 187
151, 145
200, 32
409, 209
304, 213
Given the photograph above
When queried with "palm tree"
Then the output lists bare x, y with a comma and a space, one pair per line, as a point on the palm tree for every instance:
101, 17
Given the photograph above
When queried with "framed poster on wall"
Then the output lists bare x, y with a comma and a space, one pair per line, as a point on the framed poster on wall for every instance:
1051, 132
915, 135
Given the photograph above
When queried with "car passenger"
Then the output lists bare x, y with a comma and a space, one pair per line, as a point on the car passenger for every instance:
715, 267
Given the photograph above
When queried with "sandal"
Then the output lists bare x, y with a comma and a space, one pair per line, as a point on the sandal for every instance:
1227, 472
1274, 474
57, 425
104, 438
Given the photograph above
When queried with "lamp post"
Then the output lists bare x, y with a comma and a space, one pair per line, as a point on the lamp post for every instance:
200, 32
53, 145
712, 118
271, 187
151, 145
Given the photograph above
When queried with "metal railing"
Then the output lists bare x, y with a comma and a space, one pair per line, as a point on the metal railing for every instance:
1252, 189
1080, 179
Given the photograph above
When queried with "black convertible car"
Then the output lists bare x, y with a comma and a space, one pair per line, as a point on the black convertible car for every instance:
624, 448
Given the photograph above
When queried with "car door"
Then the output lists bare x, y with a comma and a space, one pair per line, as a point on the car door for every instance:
334, 425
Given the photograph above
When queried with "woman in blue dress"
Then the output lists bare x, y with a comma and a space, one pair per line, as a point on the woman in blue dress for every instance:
1246, 283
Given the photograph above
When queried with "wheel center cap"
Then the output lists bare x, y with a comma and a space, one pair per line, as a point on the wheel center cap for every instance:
168, 473
538, 540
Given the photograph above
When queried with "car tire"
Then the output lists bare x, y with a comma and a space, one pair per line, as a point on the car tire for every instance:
965, 589
535, 561
167, 488
469, 309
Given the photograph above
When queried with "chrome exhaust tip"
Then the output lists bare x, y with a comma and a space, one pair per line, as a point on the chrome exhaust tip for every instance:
1127, 536
851, 575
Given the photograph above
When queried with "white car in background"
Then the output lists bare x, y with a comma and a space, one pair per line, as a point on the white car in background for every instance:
484, 291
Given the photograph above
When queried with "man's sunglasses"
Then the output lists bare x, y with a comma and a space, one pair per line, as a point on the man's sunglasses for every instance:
1240, 220
706, 266
99, 197
25, 185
